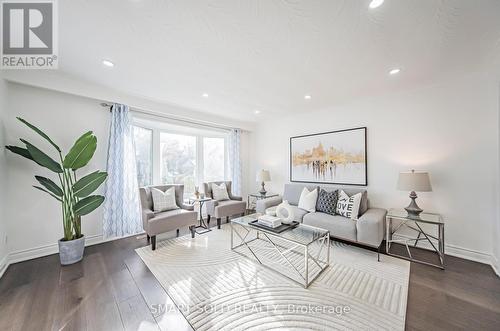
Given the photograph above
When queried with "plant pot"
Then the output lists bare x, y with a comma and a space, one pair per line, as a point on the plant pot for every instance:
71, 251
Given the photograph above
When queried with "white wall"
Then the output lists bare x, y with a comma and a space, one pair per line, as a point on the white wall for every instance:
496, 230
35, 222
450, 129
3, 179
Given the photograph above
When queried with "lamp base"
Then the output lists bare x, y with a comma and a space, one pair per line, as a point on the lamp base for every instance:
263, 189
413, 209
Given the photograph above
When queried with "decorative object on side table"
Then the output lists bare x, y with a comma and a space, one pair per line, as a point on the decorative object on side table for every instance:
414, 181
263, 176
203, 226
415, 224
74, 195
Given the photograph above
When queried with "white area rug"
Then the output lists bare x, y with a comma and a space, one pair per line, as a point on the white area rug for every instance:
218, 289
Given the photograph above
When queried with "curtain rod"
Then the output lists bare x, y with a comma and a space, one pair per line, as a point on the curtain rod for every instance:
174, 118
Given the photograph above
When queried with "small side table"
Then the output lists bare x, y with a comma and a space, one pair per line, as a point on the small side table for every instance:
202, 225
394, 235
258, 196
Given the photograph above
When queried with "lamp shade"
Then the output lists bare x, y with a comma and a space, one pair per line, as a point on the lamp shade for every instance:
263, 176
414, 181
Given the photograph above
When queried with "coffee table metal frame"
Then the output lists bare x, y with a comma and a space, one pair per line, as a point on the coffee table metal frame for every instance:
262, 234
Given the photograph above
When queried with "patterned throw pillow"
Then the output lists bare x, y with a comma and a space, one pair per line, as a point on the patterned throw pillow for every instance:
219, 192
348, 206
163, 201
327, 201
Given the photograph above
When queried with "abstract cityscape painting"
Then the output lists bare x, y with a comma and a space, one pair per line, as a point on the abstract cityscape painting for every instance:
337, 157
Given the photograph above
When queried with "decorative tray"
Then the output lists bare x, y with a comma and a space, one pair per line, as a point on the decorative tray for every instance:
279, 229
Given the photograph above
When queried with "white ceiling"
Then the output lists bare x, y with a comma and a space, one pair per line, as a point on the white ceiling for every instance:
267, 54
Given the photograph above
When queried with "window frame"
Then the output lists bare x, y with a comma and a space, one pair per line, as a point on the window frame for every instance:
159, 127
151, 150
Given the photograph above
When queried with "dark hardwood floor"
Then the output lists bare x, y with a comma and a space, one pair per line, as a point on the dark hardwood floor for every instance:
112, 289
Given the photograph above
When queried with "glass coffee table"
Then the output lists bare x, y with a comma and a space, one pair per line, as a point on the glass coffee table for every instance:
300, 254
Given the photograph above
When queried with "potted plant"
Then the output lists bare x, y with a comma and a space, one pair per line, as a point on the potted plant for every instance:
74, 194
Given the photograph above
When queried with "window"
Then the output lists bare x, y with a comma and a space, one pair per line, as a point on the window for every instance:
143, 139
213, 159
178, 160
173, 154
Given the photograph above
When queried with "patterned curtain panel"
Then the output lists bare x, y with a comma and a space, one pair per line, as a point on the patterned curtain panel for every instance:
235, 161
122, 214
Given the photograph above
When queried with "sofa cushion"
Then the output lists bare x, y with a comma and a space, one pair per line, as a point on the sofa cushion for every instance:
348, 206
308, 199
340, 227
327, 201
298, 213
229, 208
292, 192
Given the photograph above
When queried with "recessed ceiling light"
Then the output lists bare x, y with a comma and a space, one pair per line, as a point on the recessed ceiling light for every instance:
394, 71
307, 97
376, 3
205, 95
256, 111
108, 63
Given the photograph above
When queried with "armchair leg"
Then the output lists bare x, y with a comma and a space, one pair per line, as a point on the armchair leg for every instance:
153, 242
177, 233
192, 228
208, 221
218, 222
148, 238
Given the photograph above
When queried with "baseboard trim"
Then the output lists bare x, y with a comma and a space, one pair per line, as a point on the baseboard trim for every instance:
464, 253
4, 264
36, 252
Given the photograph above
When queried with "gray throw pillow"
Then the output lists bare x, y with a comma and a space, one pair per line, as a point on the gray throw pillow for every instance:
327, 201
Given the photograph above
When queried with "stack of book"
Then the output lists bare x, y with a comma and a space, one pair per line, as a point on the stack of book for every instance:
269, 221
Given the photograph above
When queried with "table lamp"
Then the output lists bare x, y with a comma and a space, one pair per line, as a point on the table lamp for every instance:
414, 181
263, 176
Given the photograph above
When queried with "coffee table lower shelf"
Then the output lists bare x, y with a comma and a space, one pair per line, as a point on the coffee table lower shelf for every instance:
315, 258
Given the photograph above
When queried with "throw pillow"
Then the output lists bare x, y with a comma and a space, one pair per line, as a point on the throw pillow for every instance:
348, 206
163, 201
327, 201
307, 200
219, 192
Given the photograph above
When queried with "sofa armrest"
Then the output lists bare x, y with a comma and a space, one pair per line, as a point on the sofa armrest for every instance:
210, 205
187, 206
262, 204
371, 226
147, 214
235, 197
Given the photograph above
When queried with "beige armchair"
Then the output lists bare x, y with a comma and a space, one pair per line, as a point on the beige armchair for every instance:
155, 223
225, 208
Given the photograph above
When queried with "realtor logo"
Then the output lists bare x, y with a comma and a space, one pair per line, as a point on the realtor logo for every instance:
29, 39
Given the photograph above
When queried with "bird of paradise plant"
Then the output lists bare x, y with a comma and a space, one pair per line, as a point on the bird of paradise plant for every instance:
75, 195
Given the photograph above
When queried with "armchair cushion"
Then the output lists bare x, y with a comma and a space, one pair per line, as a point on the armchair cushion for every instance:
219, 192
229, 208
170, 220
163, 201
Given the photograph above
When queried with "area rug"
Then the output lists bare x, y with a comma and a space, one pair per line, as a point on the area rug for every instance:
218, 289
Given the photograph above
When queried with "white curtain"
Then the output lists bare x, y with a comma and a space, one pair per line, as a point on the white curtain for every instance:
235, 161
122, 214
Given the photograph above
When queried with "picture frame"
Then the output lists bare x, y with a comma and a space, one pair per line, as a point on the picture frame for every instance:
334, 157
